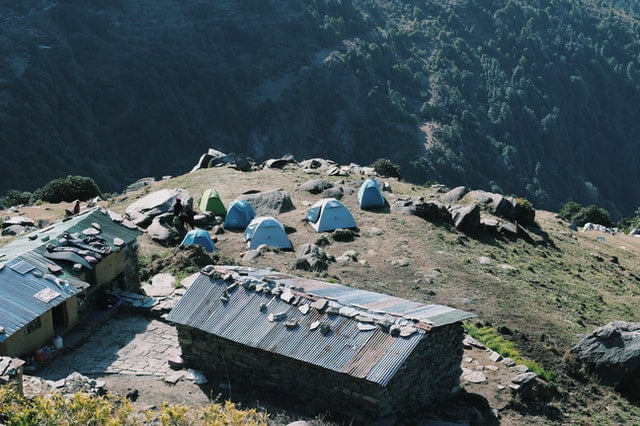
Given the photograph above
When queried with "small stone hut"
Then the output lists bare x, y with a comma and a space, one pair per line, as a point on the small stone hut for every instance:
365, 355
46, 276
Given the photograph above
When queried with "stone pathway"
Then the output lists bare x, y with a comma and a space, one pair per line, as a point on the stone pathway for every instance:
126, 344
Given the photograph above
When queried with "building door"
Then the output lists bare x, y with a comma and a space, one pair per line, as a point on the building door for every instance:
60, 317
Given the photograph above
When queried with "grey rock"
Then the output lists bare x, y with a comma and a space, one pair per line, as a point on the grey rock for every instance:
252, 255
455, 195
159, 231
495, 357
508, 362
467, 218
316, 186
269, 203
336, 193
432, 211
156, 203
611, 352
475, 377
13, 230
18, 220
523, 378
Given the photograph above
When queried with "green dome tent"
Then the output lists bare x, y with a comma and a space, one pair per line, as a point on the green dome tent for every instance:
211, 202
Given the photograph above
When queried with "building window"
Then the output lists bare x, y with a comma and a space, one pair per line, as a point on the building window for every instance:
33, 326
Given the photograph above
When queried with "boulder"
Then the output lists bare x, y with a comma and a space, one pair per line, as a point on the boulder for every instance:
503, 207
336, 193
206, 158
18, 220
156, 203
466, 218
160, 231
269, 203
455, 195
139, 184
432, 211
611, 352
278, 163
311, 257
13, 230
316, 186
316, 163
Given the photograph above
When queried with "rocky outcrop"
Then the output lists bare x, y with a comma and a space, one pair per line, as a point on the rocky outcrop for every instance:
432, 211
311, 258
612, 353
466, 218
269, 203
455, 195
145, 209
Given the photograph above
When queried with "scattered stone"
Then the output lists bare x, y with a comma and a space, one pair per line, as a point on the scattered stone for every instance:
336, 193
373, 232
162, 285
523, 378
483, 260
521, 368
475, 377
176, 362
298, 423
508, 362
402, 262
118, 242
316, 186
495, 357
174, 378
468, 342
492, 368
501, 387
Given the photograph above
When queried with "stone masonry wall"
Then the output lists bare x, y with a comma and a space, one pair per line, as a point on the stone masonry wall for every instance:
430, 374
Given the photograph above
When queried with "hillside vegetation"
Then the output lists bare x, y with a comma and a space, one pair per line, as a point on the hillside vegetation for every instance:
528, 97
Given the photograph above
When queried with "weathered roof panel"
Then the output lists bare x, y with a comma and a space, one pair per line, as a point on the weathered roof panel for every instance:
242, 315
18, 304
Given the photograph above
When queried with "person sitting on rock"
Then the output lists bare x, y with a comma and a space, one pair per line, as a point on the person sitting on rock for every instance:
73, 211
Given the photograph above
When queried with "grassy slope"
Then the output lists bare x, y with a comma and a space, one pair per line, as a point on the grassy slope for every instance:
545, 295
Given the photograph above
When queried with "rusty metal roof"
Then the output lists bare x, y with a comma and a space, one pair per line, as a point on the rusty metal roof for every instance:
374, 355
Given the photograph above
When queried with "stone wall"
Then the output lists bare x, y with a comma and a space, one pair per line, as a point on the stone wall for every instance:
430, 374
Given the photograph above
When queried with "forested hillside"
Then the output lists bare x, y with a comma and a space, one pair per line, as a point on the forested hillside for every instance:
536, 98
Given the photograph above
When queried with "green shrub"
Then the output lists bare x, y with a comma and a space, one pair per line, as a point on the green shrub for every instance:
580, 215
387, 168
68, 189
525, 213
13, 198
570, 209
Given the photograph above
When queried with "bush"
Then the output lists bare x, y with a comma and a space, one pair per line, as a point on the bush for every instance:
68, 189
569, 210
580, 215
386, 168
525, 213
14, 198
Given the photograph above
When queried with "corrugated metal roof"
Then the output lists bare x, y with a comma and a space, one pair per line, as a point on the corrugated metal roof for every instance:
374, 355
25, 271
38, 240
18, 304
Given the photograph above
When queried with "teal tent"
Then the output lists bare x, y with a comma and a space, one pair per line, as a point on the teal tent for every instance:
266, 230
239, 214
370, 196
201, 238
329, 214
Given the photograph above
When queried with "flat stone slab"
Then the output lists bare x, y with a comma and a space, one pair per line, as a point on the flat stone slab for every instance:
162, 285
475, 377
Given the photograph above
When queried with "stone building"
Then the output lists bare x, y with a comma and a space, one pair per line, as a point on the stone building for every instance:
47, 276
364, 355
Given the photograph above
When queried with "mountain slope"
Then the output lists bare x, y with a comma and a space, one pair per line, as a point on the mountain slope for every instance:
538, 99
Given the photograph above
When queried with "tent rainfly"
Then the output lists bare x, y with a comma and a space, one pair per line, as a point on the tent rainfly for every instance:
201, 238
266, 230
369, 195
211, 202
239, 215
328, 215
